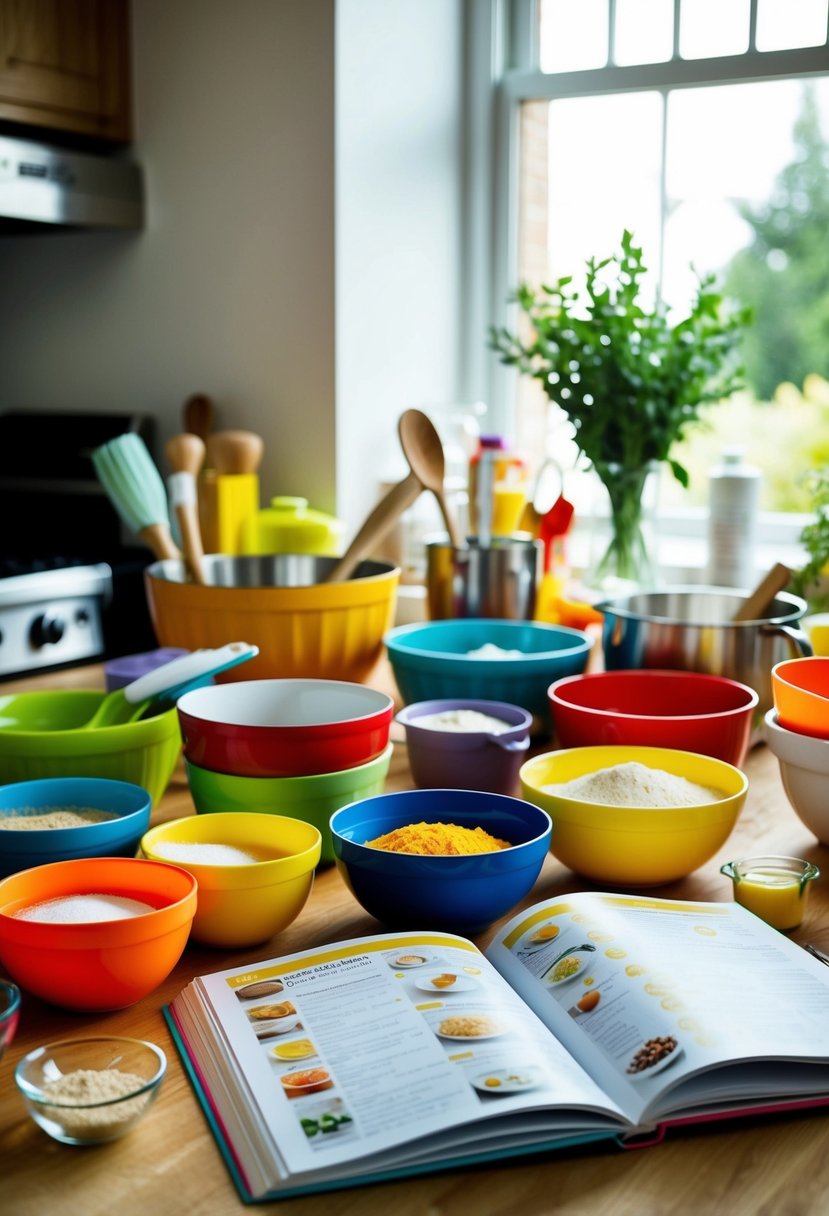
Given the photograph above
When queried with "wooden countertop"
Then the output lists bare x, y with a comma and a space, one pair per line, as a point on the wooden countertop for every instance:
170, 1164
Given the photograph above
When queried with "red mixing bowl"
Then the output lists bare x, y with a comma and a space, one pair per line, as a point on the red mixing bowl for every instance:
284, 728
688, 710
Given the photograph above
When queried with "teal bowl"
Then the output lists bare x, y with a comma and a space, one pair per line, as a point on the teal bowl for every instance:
432, 661
42, 735
119, 836
313, 799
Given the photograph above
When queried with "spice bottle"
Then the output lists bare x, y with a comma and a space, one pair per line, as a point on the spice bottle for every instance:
509, 485
734, 494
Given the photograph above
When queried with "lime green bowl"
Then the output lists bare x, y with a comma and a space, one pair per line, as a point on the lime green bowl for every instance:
312, 799
42, 735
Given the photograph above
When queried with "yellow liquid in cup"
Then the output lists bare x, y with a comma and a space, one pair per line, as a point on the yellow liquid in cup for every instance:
774, 894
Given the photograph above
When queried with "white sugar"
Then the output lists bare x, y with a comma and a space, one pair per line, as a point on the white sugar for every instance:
76, 909
205, 854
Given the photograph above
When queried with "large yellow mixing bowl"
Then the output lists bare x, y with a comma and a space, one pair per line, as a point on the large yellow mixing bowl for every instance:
634, 846
302, 626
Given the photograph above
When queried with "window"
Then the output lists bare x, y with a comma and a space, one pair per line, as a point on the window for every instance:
703, 127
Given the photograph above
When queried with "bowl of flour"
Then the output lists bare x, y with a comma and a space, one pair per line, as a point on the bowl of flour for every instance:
466, 744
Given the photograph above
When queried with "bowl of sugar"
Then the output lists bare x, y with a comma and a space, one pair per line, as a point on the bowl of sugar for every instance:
254, 871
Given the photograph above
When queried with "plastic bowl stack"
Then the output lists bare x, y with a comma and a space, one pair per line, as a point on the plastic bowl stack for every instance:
300, 748
685, 710
635, 845
464, 894
496, 660
797, 731
303, 626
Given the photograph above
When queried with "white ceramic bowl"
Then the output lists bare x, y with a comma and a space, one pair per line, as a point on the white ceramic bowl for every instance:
804, 771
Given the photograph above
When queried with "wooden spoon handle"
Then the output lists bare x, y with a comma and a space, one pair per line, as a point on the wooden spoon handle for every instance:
756, 605
158, 538
235, 451
185, 453
378, 523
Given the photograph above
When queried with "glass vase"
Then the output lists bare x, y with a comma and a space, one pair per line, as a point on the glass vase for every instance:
627, 559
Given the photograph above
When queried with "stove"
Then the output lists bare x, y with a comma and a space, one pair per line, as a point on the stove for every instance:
71, 578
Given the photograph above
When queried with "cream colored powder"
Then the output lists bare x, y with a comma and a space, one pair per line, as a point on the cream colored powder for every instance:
82, 909
490, 651
31, 819
634, 784
75, 1101
463, 720
206, 854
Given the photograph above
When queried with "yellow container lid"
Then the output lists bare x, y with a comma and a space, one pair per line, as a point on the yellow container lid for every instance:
289, 525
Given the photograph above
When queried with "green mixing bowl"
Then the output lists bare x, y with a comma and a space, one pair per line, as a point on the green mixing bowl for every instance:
42, 735
312, 799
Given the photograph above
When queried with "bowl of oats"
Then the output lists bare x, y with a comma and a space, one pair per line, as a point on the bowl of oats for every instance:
64, 818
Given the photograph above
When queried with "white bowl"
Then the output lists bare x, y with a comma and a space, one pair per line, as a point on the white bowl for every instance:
804, 771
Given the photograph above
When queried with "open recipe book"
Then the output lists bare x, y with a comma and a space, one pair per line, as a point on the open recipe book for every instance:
589, 1017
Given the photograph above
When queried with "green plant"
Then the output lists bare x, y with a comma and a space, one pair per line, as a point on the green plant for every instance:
806, 581
629, 381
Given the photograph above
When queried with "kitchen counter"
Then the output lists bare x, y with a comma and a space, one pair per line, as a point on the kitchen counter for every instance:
170, 1164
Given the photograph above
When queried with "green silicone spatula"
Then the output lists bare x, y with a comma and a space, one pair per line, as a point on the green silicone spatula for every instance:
167, 683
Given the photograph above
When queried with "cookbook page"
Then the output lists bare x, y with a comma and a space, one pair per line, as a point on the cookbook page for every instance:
647, 992
349, 1050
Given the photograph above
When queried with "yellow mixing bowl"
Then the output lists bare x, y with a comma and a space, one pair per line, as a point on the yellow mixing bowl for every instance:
303, 626
634, 846
240, 905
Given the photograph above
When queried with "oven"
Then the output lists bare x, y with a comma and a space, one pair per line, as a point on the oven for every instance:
71, 577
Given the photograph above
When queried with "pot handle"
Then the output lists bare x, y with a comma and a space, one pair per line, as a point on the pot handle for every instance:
798, 640
511, 745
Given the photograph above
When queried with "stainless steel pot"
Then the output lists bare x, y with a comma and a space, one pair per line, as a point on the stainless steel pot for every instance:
496, 580
692, 629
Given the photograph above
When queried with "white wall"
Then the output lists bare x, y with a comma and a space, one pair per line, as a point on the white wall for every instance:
236, 283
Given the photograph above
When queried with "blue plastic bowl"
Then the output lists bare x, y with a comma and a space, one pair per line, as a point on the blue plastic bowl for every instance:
431, 661
457, 894
21, 849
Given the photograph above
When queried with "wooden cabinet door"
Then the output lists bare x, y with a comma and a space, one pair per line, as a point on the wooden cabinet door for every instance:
64, 65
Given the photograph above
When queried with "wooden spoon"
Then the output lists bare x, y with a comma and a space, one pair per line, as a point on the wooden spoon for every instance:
235, 451
185, 456
423, 449
197, 416
756, 605
392, 505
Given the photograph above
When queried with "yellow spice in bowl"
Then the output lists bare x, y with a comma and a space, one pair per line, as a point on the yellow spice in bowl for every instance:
438, 839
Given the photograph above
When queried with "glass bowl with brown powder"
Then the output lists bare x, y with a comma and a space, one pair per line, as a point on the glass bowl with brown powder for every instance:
90, 1091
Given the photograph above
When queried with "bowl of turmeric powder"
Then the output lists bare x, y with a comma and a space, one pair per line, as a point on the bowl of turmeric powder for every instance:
449, 859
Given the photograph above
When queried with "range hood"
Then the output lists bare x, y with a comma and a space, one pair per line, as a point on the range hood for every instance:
44, 188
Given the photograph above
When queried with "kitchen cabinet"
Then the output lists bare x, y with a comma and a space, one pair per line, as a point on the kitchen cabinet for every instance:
65, 66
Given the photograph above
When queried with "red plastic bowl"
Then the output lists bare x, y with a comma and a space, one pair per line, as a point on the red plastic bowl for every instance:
688, 710
284, 728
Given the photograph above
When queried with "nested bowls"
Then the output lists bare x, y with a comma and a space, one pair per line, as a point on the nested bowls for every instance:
800, 689
438, 659
465, 752
464, 894
284, 728
634, 846
313, 799
804, 772
240, 904
23, 804
90, 1091
96, 964
302, 626
690, 711
42, 735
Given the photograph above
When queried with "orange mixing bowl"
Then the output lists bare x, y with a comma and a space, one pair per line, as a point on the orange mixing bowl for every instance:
303, 626
99, 964
800, 688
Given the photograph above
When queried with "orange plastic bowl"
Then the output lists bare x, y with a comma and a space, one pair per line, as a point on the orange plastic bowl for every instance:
800, 688
96, 965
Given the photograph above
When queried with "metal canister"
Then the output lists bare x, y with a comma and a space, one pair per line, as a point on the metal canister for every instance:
499, 580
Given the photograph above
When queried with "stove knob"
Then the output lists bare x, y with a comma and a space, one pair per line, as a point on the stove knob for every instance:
46, 631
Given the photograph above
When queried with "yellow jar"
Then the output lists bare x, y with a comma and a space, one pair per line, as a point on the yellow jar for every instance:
773, 888
289, 525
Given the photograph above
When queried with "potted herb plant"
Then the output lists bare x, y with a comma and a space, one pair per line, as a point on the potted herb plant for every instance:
629, 380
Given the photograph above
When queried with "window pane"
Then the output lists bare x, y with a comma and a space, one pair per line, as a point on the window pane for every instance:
572, 35
709, 28
782, 24
644, 31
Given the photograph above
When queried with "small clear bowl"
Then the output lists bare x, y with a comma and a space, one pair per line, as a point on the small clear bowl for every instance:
9, 1012
90, 1091
774, 888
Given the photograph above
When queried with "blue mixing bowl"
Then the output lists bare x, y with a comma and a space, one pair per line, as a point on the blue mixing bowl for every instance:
458, 894
20, 849
431, 661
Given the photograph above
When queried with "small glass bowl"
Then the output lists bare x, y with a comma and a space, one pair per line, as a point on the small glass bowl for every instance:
774, 888
74, 1092
9, 1012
